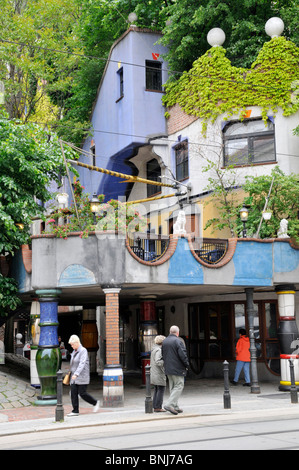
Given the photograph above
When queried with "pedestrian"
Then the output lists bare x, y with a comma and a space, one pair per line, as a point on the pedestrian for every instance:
157, 375
243, 358
176, 364
80, 376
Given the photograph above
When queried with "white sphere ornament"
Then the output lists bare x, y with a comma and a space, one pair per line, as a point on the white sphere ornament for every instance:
274, 27
132, 17
216, 37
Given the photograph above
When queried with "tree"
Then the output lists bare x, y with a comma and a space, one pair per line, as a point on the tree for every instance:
283, 202
243, 22
30, 159
32, 33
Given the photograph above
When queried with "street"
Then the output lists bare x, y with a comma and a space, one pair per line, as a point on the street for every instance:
166, 438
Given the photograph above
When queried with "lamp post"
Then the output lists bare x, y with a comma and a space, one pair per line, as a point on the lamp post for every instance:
94, 205
244, 218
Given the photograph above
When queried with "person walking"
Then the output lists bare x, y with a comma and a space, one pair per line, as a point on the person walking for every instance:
157, 374
243, 358
176, 364
80, 376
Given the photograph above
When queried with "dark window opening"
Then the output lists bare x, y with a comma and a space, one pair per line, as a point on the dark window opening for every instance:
153, 75
120, 74
181, 160
153, 173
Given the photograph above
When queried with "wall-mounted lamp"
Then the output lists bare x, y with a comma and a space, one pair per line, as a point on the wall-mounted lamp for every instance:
94, 205
244, 218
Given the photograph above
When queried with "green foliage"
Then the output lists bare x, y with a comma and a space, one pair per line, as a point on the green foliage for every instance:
30, 67
283, 203
222, 183
243, 22
214, 87
9, 299
113, 215
30, 159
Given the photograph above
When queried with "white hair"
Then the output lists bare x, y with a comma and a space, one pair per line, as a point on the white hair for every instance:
174, 330
74, 339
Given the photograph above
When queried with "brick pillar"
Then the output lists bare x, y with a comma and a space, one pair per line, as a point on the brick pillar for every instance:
113, 392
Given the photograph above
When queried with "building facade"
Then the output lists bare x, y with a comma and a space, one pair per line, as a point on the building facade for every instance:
174, 272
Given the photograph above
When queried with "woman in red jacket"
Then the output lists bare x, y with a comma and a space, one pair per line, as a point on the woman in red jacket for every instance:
243, 358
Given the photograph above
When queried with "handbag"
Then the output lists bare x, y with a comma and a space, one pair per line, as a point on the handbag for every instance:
67, 379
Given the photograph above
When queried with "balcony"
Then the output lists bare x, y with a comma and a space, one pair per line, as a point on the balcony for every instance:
148, 246
210, 250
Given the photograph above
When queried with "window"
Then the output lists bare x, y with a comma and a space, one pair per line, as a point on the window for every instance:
153, 171
120, 74
181, 160
249, 142
93, 152
153, 75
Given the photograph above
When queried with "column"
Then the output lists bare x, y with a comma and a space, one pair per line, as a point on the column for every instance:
287, 334
113, 390
148, 330
34, 341
89, 336
255, 388
48, 356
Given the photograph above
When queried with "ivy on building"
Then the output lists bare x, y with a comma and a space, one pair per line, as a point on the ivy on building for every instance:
214, 87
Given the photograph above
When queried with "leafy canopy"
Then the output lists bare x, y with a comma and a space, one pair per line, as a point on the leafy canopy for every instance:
30, 161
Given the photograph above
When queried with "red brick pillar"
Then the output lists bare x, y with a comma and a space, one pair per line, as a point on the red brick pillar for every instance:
113, 392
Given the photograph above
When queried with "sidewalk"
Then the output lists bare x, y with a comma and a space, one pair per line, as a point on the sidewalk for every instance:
202, 398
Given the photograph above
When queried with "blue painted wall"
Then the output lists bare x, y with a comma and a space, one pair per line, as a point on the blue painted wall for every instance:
183, 267
253, 264
122, 125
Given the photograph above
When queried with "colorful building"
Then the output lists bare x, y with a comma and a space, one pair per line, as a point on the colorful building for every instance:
136, 285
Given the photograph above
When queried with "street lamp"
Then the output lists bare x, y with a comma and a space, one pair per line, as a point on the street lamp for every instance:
244, 218
267, 215
94, 205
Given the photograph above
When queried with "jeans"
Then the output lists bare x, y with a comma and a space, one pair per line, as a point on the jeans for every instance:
176, 387
158, 396
77, 390
242, 365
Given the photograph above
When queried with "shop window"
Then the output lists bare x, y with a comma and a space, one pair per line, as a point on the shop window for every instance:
249, 142
181, 161
153, 75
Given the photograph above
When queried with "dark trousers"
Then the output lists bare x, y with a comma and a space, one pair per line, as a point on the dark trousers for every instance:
77, 390
158, 396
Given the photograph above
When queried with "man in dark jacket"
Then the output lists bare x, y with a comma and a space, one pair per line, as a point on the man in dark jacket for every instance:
175, 364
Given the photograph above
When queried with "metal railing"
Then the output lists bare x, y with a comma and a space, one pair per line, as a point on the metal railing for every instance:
210, 250
148, 246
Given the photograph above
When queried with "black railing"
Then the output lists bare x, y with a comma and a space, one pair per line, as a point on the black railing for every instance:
210, 250
148, 246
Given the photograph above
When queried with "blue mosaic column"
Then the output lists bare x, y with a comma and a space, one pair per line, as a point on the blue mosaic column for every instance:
48, 357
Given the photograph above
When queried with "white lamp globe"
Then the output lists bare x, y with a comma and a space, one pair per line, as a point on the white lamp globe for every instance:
216, 37
132, 17
274, 27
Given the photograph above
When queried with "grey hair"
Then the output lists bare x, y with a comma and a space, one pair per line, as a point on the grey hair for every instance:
174, 330
159, 339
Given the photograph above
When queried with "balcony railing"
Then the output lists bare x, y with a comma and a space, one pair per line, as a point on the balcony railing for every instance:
148, 246
210, 250
151, 247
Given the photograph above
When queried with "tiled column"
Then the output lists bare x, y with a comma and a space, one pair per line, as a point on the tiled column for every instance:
288, 335
113, 391
48, 357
